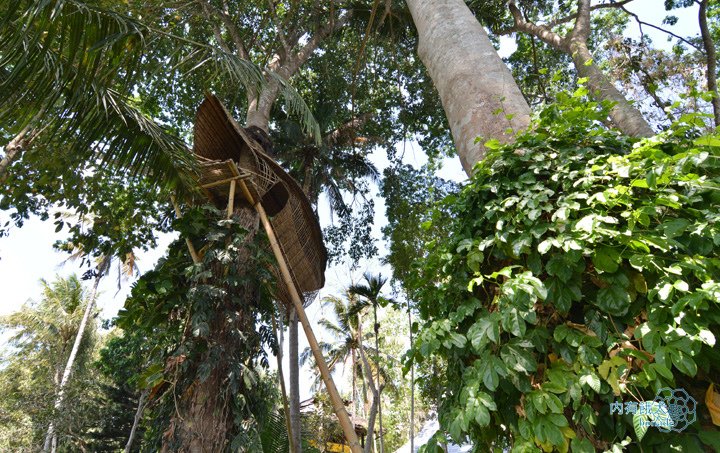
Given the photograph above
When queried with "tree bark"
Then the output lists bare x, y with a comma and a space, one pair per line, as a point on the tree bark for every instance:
13, 150
711, 60
50, 443
376, 391
478, 93
295, 422
136, 420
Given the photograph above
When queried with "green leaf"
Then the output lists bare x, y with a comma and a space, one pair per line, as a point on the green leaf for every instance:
581, 445
614, 299
591, 380
606, 259
639, 426
513, 323
484, 330
711, 438
517, 357
707, 140
676, 227
492, 144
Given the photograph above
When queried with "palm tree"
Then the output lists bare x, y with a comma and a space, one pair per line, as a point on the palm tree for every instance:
370, 292
346, 332
50, 438
51, 330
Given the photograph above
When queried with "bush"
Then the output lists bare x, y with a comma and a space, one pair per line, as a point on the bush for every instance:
582, 270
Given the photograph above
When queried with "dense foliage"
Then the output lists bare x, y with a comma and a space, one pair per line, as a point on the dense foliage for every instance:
581, 269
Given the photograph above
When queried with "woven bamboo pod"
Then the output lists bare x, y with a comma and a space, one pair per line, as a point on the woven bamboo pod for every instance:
217, 139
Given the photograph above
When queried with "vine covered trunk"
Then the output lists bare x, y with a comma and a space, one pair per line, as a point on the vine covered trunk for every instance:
206, 406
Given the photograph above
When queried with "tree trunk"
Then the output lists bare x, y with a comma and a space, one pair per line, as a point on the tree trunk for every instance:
13, 150
136, 420
50, 443
624, 116
711, 60
293, 353
472, 80
377, 364
375, 401
412, 388
260, 106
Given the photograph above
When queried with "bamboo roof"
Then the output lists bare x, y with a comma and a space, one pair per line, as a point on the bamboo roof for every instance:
217, 139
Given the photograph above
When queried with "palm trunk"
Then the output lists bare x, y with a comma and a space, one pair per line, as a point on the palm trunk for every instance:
375, 402
377, 364
49, 444
136, 420
295, 422
472, 80
412, 388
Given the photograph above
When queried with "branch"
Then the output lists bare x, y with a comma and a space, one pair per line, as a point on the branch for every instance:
280, 33
207, 12
581, 30
345, 132
566, 19
540, 31
224, 16
295, 61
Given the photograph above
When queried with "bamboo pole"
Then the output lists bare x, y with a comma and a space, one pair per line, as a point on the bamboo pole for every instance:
191, 247
281, 377
231, 200
338, 406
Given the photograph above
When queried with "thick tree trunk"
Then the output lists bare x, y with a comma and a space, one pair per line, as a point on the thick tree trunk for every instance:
472, 80
50, 438
293, 353
136, 420
260, 106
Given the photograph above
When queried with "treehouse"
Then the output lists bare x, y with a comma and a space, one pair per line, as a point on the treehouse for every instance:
229, 154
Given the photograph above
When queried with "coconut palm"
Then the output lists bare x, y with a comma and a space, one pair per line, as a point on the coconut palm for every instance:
46, 334
370, 296
345, 330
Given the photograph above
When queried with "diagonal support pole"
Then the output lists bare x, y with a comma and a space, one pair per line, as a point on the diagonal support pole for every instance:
338, 406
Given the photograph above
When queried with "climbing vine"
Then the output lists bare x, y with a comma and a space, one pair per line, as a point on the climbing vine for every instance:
210, 322
581, 270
